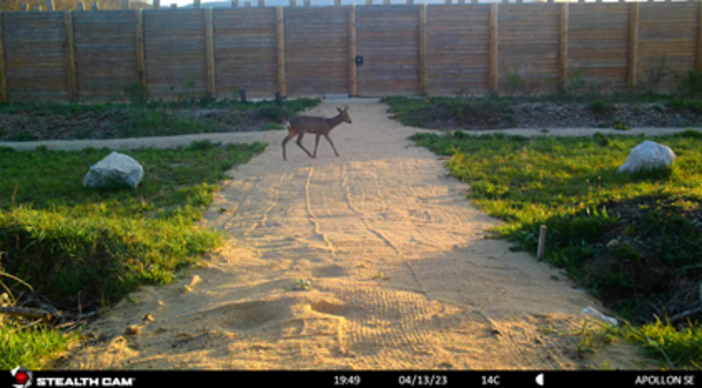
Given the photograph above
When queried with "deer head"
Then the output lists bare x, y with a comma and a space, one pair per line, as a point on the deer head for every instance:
344, 114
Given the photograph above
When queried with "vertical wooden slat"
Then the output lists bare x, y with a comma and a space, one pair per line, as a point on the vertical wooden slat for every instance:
386, 2
293, 3
157, 4
50, 5
24, 7
698, 50
280, 31
353, 88
95, 6
3, 82
125, 4
633, 42
38, 8
210, 52
462, 2
196, 4
70, 56
248, 4
235, 3
369, 2
261, 3
410, 2
174, 6
308, 3
140, 48
80, 6
423, 50
563, 46
493, 48
447, 1
337, 3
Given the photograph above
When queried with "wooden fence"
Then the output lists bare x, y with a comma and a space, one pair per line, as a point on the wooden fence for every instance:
309, 51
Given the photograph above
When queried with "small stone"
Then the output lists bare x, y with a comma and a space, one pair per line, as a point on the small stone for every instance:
612, 243
149, 318
132, 330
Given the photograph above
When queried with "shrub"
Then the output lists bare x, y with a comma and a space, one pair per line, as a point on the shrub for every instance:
273, 113
137, 93
599, 106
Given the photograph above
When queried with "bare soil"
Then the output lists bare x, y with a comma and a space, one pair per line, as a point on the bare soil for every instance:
400, 273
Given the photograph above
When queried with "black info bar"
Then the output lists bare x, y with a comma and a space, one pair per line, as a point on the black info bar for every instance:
447, 378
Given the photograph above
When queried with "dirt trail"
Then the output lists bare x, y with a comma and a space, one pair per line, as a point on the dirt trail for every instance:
402, 277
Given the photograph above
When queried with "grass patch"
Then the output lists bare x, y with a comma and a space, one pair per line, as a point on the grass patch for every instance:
26, 122
87, 248
571, 185
33, 348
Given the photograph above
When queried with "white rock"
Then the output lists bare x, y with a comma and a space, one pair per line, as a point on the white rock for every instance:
647, 155
593, 312
115, 168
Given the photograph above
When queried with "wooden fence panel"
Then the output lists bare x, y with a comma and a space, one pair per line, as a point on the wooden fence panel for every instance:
458, 49
105, 53
35, 56
598, 37
246, 52
388, 40
528, 46
317, 46
670, 31
176, 64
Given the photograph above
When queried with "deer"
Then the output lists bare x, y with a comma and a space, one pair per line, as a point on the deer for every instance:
319, 126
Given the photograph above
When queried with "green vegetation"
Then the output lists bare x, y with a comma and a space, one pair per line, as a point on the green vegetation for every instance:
140, 118
88, 247
571, 186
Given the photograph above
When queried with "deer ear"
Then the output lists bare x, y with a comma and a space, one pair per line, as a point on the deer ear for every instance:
339, 109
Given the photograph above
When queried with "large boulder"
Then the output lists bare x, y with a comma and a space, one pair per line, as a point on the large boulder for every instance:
646, 156
116, 168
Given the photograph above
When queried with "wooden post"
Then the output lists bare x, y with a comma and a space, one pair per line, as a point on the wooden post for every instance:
174, 6
308, 3
80, 6
633, 42
280, 31
542, 244
125, 4
196, 4
462, 2
140, 48
447, 1
248, 4
337, 3
386, 2
24, 7
698, 50
70, 56
50, 5
210, 52
235, 3
520, 1
563, 47
369, 2
353, 87
293, 3
261, 3
38, 8
493, 48
423, 50
3, 80
410, 2
95, 6
157, 4
474, 1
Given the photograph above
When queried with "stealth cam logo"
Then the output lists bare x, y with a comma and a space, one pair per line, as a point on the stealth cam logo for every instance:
22, 376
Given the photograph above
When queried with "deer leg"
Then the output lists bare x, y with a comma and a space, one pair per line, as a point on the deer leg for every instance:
316, 144
285, 141
332, 143
299, 142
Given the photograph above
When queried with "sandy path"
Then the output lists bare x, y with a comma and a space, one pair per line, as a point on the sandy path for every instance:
447, 297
